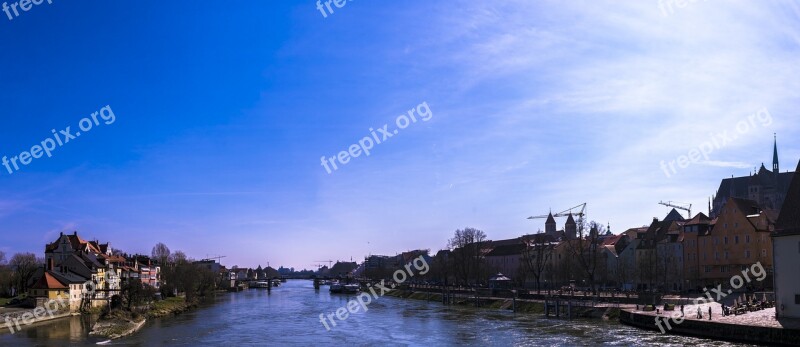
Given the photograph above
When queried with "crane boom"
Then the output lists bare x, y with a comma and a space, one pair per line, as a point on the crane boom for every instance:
674, 204
566, 212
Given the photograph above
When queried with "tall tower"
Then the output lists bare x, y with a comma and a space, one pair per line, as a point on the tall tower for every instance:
550, 225
775, 167
570, 228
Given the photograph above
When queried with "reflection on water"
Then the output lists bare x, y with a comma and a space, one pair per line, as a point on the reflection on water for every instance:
289, 315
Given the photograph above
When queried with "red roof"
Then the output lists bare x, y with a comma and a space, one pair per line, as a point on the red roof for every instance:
48, 281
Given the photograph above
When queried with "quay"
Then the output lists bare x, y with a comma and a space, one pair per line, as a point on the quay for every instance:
759, 327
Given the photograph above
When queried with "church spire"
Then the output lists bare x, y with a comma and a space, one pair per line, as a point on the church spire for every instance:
775, 166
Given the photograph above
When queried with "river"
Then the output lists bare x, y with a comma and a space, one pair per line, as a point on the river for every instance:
289, 315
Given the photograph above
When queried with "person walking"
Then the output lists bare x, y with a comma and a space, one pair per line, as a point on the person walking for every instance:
709, 312
682, 311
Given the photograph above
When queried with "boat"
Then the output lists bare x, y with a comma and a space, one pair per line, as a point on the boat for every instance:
336, 288
260, 285
352, 288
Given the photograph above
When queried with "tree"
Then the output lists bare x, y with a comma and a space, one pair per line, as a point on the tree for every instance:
467, 245
537, 257
24, 266
585, 249
161, 253
178, 257
2, 258
135, 293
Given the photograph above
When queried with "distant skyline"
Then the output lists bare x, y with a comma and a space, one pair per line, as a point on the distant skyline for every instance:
223, 113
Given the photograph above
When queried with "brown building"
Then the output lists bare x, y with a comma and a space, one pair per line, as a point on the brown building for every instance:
699, 225
739, 238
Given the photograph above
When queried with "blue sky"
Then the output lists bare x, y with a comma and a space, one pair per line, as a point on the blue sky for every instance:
223, 112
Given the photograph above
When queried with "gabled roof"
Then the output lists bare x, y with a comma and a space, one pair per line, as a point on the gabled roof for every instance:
700, 218
77, 243
50, 282
789, 220
673, 215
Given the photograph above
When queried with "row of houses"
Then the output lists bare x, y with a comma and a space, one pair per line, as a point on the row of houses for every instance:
88, 273
673, 254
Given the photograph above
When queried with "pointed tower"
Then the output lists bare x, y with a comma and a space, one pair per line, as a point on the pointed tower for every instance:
550, 225
776, 168
570, 228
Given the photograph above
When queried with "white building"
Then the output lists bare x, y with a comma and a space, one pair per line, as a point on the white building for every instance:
786, 253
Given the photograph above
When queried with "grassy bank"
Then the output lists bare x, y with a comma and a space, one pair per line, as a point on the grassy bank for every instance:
170, 306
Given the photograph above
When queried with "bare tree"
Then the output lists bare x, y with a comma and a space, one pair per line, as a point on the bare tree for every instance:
537, 258
2, 258
178, 257
161, 253
467, 245
585, 249
24, 266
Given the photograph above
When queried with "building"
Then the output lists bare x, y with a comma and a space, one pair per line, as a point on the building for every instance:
507, 259
692, 229
786, 253
766, 187
656, 259
739, 238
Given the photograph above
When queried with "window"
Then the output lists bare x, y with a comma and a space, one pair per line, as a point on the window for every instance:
797, 299
726, 255
724, 269
747, 239
747, 254
726, 240
736, 239
707, 269
716, 255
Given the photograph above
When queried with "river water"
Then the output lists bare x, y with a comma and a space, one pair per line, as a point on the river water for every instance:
289, 316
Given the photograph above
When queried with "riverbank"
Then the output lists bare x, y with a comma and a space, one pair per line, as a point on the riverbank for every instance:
170, 306
517, 306
119, 323
754, 328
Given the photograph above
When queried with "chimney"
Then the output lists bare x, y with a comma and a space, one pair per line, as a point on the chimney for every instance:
50, 264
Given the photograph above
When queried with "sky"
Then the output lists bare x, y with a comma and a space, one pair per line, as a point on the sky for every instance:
212, 120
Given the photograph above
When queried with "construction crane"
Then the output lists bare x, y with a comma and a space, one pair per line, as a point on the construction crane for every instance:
566, 212
678, 205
